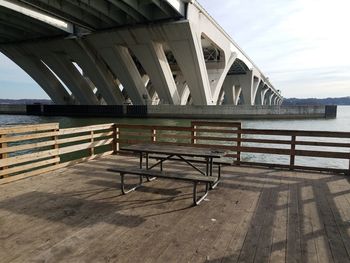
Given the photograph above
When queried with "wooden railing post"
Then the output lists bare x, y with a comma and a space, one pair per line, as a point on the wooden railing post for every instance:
115, 138
239, 142
92, 148
55, 146
292, 152
153, 135
3, 155
193, 133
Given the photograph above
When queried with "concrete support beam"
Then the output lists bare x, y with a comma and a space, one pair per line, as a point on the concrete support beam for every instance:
68, 73
38, 15
133, 9
268, 97
154, 62
216, 84
182, 88
187, 49
121, 63
231, 92
249, 84
265, 95
40, 73
260, 93
95, 69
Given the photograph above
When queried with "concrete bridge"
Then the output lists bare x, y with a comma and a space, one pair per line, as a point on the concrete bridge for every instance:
119, 51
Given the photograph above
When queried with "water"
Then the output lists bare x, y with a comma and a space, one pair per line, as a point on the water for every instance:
341, 123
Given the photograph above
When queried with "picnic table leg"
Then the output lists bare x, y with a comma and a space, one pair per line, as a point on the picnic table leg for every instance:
207, 166
122, 184
213, 185
197, 201
140, 160
211, 166
149, 179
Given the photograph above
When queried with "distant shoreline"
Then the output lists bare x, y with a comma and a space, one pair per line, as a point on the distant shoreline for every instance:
342, 101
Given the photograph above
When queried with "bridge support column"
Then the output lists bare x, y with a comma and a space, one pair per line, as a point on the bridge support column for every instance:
40, 73
70, 75
249, 84
154, 62
121, 63
182, 88
187, 49
217, 77
265, 94
232, 92
259, 94
95, 69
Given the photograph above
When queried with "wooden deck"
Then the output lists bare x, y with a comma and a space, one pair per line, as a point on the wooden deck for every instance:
77, 214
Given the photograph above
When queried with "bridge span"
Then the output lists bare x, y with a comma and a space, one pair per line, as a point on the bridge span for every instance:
128, 51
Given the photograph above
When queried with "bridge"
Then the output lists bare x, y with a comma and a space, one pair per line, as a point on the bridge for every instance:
112, 52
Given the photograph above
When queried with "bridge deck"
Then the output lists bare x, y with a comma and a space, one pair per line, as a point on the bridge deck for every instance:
78, 215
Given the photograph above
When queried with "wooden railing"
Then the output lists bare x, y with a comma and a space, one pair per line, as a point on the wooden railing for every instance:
200, 134
30, 150
34, 149
293, 144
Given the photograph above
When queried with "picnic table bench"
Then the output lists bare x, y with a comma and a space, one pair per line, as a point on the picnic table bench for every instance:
195, 179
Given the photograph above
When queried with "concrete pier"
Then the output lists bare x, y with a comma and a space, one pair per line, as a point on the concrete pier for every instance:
176, 111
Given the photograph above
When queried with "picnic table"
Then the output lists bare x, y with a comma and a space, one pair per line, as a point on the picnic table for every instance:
190, 155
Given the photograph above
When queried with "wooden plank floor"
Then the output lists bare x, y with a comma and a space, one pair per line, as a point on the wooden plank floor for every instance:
255, 215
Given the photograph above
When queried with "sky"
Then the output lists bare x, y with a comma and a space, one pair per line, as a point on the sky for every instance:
303, 46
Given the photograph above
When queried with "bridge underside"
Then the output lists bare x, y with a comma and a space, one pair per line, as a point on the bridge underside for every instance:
116, 52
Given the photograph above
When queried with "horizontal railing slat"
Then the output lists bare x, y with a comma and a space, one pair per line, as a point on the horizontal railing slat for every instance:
296, 133
30, 166
84, 137
28, 157
324, 144
216, 124
28, 137
23, 147
28, 128
322, 154
68, 131
84, 146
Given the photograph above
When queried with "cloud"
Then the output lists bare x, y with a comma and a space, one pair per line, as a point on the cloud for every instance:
299, 44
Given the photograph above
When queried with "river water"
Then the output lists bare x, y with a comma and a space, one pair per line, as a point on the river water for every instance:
341, 123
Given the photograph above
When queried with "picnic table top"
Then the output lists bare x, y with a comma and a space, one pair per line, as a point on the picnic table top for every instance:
174, 149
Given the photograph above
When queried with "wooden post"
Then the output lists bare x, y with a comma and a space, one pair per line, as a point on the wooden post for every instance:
3, 155
115, 138
153, 135
239, 137
193, 134
55, 146
92, 148
292, 153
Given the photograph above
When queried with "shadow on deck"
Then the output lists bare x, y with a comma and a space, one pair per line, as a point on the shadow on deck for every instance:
254, 215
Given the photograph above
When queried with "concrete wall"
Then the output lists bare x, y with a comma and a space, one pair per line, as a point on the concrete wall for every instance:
239, 112
176, 111
13, 109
